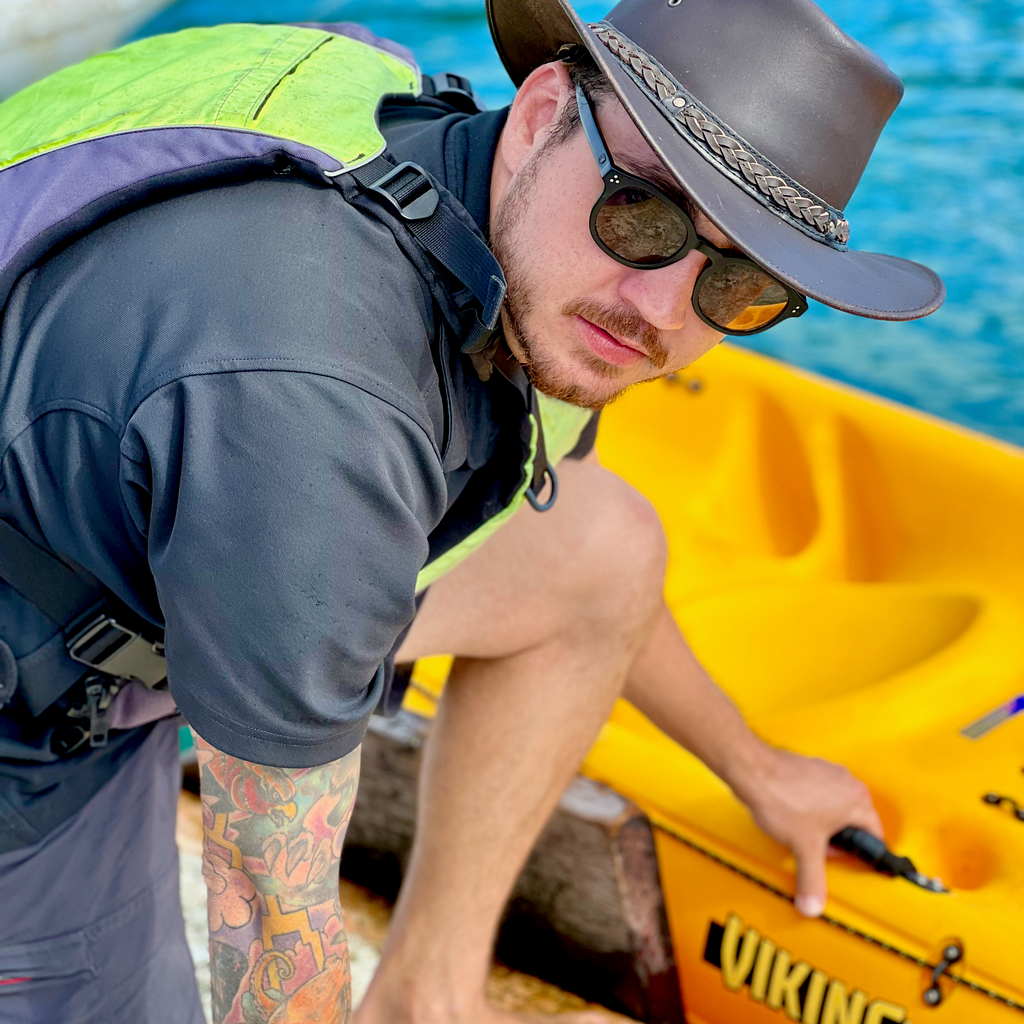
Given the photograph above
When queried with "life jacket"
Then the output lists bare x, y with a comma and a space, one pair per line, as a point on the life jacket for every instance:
172, 113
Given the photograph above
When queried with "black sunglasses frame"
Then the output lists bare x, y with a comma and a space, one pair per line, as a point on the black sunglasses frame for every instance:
615, 179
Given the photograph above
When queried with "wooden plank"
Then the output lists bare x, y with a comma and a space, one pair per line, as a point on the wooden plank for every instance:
586, 913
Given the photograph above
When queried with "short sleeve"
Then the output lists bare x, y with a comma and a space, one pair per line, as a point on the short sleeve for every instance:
286, 516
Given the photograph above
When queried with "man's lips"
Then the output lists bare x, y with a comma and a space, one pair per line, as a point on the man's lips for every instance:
618, 352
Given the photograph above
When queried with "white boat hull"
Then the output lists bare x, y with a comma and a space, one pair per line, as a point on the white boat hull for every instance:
38, 37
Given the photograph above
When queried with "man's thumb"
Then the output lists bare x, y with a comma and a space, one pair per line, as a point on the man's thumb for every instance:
811, 884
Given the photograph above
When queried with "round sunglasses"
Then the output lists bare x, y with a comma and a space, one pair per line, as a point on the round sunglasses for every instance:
641, 226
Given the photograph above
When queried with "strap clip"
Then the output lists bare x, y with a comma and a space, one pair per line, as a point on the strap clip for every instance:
533, 497
455, 90
107, 646
407, 189
99, 694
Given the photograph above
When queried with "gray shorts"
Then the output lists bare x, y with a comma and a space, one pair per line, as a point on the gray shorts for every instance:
90, 918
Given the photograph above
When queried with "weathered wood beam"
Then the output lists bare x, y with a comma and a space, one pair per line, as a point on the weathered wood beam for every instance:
586, 913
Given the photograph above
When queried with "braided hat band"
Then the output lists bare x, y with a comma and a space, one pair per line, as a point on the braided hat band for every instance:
724, 148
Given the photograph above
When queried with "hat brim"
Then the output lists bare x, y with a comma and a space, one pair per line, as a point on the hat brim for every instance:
528, 33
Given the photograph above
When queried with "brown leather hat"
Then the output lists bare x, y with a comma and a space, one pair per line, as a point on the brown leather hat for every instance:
766, 114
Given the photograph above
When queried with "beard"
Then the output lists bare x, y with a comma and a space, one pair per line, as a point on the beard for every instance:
599, 384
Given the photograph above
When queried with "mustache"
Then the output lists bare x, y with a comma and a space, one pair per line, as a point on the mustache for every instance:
622, 322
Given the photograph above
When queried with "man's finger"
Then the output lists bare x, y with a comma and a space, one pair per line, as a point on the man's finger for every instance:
872, 823
811, 884
866, 818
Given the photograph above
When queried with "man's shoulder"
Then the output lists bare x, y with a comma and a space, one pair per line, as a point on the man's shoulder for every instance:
286, 237
278, 274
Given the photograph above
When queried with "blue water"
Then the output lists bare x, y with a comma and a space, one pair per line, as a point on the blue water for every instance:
944, 186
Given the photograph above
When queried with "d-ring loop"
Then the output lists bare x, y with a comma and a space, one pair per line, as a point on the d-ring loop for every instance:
531, 495
952, 954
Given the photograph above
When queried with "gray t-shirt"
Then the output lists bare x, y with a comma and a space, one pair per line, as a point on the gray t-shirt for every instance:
227, 406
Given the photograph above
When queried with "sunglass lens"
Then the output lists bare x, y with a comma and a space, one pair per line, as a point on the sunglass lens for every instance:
740, 296
636, 225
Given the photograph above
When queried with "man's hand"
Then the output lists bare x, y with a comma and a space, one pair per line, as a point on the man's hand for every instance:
801, 802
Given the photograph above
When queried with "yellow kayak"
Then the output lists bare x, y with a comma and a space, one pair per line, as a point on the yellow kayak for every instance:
852, 573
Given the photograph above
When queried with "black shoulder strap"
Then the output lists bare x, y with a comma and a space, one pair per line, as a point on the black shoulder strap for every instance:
58, 591
93, 633
454, 90
452, 240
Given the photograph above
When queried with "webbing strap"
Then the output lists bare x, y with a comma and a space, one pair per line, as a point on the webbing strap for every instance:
452, 241
56, 589
455, 243
504, 362
468, 258
541, 466
88, 637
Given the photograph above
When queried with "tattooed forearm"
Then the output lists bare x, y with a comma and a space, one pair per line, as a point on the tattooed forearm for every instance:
278, 951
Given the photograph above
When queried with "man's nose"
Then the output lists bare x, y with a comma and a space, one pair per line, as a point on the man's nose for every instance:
663, 296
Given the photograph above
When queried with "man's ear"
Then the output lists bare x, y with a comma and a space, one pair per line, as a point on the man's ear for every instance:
535, 110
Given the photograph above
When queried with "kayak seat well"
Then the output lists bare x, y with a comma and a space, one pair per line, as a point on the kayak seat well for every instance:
748, 487
777, 648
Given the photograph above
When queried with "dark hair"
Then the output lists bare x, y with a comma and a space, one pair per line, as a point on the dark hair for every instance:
584, 72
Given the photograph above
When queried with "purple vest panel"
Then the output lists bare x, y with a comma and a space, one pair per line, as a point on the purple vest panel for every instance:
39, 195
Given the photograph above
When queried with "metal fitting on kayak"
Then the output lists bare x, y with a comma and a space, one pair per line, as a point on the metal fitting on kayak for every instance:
996, 800
872, 851
953, 953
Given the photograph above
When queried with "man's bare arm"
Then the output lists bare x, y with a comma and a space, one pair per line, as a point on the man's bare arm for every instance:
799, 801
272, 845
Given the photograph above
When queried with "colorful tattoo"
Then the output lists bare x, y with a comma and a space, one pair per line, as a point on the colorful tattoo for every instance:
278, 950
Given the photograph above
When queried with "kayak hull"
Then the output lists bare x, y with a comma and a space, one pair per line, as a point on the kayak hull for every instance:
852, 573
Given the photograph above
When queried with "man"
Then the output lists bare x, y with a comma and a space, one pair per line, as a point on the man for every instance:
314, 434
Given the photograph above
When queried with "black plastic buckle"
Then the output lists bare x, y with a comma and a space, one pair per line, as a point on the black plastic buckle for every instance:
408, 191
95, 645
456, 91
69, 739
107, 646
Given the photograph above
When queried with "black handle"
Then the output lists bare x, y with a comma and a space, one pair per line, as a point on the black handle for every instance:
863, 845
870, 849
